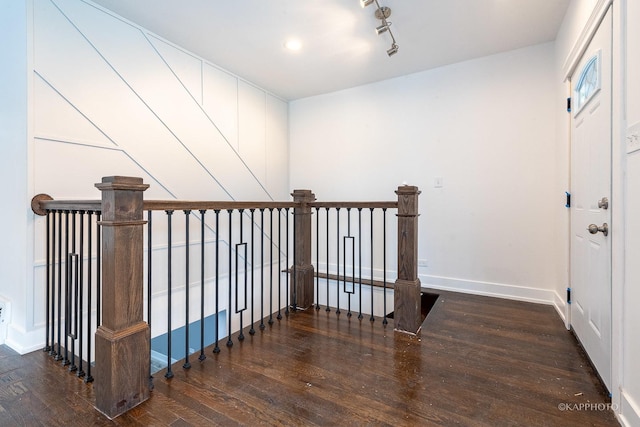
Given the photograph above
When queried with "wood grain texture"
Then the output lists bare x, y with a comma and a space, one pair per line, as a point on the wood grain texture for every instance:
302, 275
407, 287
408, 232
123, 340
177, 205
478, 361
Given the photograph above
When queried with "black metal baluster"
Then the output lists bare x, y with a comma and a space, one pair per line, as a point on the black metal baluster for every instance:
372, 319
73, 304
384, 266
47, 285
70, 309
229, 341
187, 364
294, 303
360, 263
149, 264
327, 309
238, 246
149, 278
317, 258
252, 331
202, 226
262, 269
67, 279
169, 373
338, 260
344, 268
72, 314
271, 266
58, 354
81, 372
52, 350
88, 378
216, 349
279, 316
98, 271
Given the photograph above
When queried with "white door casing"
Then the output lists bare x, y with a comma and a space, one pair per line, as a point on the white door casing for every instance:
591, 136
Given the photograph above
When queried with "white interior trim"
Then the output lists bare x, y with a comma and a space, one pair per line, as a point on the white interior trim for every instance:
629, 411
562, 308
589, 30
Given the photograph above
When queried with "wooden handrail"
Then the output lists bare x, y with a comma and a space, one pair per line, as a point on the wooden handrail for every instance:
69, 205
355, 205
163, 205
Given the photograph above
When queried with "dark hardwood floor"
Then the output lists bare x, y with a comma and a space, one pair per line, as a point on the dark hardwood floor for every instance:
478, 362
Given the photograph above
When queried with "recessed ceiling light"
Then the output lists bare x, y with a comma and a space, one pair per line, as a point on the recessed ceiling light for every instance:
293, 44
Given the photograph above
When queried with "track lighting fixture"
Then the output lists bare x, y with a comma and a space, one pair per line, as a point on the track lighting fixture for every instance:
382, 13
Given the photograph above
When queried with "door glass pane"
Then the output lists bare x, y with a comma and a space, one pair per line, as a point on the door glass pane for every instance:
588, 82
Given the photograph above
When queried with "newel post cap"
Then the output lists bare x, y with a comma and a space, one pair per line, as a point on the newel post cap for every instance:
407, 190
303, 196
121, 183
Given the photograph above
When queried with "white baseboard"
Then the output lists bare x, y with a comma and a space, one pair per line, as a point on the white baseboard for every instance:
498, 290
24, 342
629, 411
562, 308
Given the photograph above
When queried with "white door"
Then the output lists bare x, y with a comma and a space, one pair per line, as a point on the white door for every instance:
591, 200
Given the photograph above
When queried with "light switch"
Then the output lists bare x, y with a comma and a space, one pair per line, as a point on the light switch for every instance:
437, 182
633, 138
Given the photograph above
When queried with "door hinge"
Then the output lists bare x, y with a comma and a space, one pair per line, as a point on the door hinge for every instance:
568, 105
568, 202
568, 295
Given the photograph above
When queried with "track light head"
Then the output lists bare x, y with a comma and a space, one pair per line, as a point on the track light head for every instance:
365, 3
393, 50
382, 28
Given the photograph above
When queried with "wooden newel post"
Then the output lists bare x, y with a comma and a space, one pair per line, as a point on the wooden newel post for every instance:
407, 316
123, 339
303, 272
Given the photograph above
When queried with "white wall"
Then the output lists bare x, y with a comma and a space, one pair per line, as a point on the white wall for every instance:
630, 387
110, 98
487, 127
13, 162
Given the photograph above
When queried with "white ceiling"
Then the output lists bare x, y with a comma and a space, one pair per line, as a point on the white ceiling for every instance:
340, 47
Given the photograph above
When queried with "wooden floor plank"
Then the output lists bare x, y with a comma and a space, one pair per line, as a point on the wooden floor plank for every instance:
478, 361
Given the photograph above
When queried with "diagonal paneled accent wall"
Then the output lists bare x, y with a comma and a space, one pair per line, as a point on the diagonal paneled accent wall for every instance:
110, 98
197, 131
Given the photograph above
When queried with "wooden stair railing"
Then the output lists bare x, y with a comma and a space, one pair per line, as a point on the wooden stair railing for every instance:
123, 337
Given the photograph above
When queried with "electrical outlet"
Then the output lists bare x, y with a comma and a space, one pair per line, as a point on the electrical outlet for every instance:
423, 263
